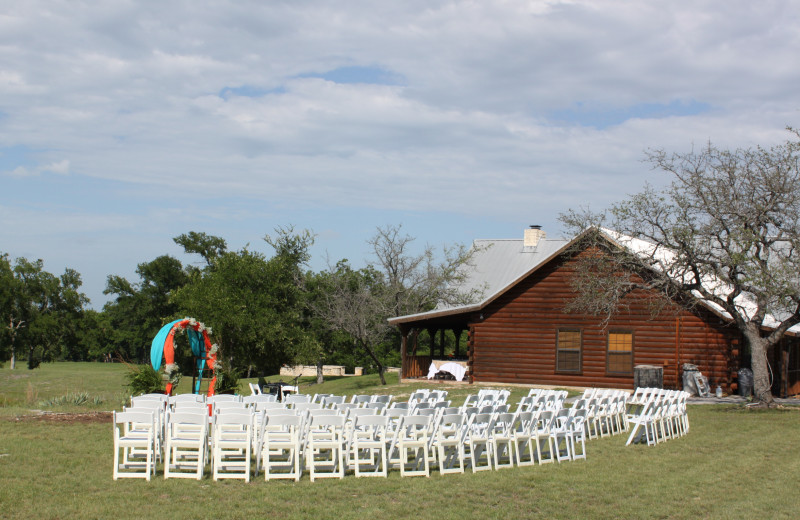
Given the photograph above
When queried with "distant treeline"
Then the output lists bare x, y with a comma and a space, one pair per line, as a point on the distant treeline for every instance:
263, 312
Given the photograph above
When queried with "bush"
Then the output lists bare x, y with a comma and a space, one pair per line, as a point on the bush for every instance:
143, 379
227, 381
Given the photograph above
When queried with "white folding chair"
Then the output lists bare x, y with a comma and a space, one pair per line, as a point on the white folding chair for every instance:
291, 399
332, 400
560, 433
182, 398
450, 444
545, 451
394, 420
259, 398
368, 446
186, 444
231, 445
523, 438
281, 449
502, 440
413, 440
158, 409
643, 424
224, 398
325, 447
134, 436
479, 441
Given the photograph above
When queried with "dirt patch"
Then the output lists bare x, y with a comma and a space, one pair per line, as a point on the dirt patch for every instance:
68, 418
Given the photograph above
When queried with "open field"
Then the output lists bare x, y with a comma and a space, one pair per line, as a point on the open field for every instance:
733, 464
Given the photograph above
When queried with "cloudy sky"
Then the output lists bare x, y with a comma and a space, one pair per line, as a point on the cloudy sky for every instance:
126, 123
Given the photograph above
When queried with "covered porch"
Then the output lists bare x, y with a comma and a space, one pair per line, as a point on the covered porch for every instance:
444, 350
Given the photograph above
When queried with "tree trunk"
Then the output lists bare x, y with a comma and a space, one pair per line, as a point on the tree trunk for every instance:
381, 368
761, 372
13, 332
320, 378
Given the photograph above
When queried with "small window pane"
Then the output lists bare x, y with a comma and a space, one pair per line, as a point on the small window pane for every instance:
568, 351
620, 352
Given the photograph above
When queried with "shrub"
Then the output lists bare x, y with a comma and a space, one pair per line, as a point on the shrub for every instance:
69, 399
227, 381
143, 379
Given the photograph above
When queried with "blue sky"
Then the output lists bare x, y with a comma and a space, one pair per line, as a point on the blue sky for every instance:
125, 124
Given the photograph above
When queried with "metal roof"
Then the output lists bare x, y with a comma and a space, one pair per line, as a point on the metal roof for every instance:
496, 265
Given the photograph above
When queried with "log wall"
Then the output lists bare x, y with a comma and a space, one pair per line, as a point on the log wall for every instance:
515, 342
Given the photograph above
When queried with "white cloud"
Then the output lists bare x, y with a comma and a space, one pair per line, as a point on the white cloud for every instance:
227, 99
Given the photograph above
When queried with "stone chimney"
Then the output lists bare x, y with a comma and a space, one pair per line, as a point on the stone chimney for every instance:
532, 236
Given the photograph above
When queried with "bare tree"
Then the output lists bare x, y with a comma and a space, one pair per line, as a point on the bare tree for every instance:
398, 282
726, 232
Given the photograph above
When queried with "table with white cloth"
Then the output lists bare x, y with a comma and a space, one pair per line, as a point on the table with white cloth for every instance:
457, 368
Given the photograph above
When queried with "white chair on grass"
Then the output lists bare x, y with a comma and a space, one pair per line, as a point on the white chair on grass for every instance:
450, 444
182, 398
368, 446
524, 438
325, 447
162, 398
134, 436
577, 433
378, 407
413, 440
268, 406
231, 445
382, 398
643, 424
361, 400
291, 399
230, 406
224, 398
186, 444
479, 441
159, 415
561, 434
502, 439
281, 449
394, 421
545, 450
332, 400
259, 398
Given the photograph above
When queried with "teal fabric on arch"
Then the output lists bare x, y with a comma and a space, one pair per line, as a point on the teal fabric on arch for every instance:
201, 364
157, 346
196, 342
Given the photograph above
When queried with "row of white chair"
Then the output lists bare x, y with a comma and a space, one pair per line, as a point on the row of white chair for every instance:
327, 444
657, 415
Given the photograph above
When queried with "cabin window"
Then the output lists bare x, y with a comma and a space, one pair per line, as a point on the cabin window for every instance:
568, 350
620, 353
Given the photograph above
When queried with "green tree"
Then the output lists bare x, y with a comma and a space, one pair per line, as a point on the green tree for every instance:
41, 312
209, 247
255, 305
726, 231
140, 309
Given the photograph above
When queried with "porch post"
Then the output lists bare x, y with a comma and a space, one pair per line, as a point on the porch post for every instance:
403, 351
457, 334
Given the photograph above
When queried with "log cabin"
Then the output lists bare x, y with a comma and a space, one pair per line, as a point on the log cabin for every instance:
519, 332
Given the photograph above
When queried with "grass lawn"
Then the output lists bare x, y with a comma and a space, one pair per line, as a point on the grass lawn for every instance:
733, 464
